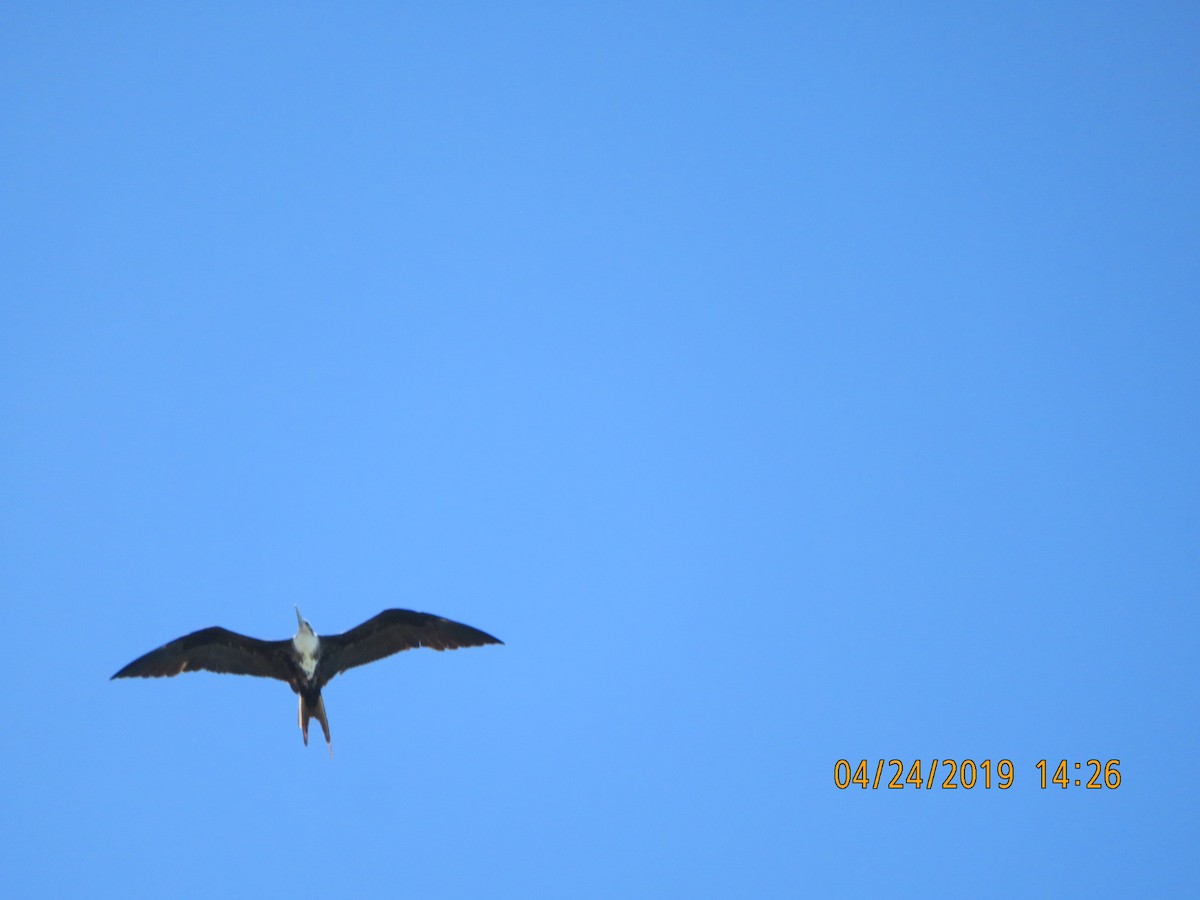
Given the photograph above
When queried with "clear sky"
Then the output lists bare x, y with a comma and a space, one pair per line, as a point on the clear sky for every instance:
782, 382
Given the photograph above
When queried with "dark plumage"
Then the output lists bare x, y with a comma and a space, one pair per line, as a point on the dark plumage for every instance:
306, 662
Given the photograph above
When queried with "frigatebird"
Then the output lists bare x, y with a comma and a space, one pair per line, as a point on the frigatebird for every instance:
306, 662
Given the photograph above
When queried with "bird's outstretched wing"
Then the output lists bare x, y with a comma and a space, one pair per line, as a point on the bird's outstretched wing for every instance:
390, 632
216, 650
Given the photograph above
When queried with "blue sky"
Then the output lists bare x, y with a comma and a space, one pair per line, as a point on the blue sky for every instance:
782, 382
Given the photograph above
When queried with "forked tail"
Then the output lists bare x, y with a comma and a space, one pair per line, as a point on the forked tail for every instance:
316, 711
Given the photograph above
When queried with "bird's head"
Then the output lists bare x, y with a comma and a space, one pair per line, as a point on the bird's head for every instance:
304, 626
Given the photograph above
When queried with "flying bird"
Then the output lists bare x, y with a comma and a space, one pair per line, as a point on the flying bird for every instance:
306, 662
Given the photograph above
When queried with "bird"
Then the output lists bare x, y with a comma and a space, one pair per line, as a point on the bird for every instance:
306, 662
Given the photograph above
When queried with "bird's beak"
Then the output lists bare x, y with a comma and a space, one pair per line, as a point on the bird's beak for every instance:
299, 618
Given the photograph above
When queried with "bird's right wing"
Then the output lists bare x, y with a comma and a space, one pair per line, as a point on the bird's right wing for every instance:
390, 632
215, 650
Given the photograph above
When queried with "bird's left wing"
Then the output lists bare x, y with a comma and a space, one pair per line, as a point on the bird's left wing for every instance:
215, 650
390, 632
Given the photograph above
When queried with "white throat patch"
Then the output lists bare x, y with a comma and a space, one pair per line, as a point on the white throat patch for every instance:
308, 646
